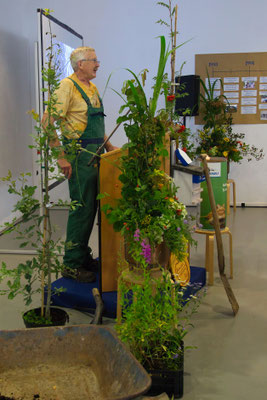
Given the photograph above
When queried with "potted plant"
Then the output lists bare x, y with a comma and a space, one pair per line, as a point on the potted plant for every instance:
217, 138
148, 213
36, 229
155, 320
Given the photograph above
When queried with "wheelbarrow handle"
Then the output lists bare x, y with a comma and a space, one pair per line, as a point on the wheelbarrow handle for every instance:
97, 320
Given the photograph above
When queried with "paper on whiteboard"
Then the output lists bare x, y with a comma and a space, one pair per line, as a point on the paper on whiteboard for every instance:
263, 115
216, 93
249, 82
249, 101
263, 97
212, 80
231, 79
249, 110
232, 101
232, 95
228, 88
249, 92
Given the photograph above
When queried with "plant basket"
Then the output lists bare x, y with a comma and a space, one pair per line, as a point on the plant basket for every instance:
170, 382
59, 317
167, 380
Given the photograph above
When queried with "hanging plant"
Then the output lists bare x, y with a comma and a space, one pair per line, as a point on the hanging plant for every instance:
148, 212
217, 138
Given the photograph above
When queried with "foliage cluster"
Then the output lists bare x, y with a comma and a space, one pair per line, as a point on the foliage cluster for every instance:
155, 324
148, 210
155, 315
217, 138
35, 229
30, 232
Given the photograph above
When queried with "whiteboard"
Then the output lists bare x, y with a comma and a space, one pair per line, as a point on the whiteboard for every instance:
65, 39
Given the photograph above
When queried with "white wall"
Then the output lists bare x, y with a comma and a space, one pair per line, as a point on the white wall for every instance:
123, 33
15, 99
230, 27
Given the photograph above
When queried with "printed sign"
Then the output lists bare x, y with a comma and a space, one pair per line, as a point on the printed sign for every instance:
215, 170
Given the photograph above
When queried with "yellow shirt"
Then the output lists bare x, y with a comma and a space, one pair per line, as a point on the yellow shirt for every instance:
72, 107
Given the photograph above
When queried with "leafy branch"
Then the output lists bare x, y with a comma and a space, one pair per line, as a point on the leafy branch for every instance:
36, 229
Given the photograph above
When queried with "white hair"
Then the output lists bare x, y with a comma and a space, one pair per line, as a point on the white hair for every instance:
77, 55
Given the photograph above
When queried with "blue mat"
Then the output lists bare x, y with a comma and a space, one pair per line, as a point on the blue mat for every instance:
79, 295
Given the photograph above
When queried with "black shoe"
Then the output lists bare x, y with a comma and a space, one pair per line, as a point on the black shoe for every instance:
92, 265
79, 274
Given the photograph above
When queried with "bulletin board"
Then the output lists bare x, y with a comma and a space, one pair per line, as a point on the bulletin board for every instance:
242, 78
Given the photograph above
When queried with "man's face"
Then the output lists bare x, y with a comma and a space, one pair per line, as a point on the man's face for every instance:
89, 65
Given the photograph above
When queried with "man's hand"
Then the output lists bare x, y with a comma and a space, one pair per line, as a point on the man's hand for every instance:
110, 147
65, 167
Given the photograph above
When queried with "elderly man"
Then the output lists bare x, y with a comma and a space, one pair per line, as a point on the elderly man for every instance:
81, 110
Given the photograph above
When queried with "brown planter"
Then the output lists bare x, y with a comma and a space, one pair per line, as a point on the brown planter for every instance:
159, 257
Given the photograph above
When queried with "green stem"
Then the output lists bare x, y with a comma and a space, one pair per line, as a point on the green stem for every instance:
47, 222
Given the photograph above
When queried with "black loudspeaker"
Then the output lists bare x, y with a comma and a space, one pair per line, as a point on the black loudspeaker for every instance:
188, 85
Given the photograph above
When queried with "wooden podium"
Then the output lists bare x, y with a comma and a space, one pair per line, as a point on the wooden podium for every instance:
112, 243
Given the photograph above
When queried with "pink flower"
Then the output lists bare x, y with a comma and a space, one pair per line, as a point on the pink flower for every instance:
146, 251
137, 235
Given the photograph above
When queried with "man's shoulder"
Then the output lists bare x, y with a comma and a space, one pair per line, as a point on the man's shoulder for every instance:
74, 78
93, 88
67, 82
67, 86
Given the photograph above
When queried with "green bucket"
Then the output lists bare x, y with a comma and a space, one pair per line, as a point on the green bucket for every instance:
218, 175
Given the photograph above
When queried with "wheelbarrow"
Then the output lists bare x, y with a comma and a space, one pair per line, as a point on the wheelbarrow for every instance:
79, 362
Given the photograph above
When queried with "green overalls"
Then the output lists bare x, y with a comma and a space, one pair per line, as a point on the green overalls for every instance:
83, 188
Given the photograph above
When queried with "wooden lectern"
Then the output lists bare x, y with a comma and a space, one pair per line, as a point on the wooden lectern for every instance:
111, 241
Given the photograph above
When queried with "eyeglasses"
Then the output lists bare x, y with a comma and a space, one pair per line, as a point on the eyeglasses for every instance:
91, 59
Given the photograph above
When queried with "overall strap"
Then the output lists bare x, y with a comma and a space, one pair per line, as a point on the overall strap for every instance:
84, 95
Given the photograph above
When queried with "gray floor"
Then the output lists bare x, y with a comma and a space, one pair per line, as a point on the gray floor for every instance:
230, 362
231, 359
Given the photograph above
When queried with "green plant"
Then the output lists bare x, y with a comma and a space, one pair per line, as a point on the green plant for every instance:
217, 138
155, 320
32, 318
172, 89
172, 25
148, 211
35, 229
213, 107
